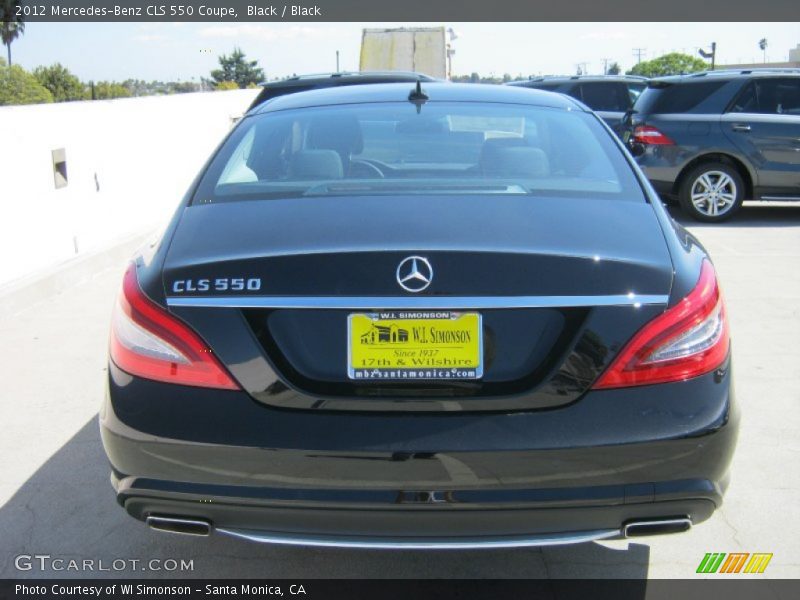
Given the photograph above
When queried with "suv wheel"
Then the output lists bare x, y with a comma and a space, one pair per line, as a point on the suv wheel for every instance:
712, 192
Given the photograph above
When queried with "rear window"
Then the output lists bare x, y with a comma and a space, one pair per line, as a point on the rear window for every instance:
634, 91
675, 98
605, 95
445, 148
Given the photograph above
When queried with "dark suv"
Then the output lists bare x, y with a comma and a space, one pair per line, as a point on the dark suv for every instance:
712, 139
610, 96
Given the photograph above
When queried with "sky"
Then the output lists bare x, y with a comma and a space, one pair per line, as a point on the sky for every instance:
188, 51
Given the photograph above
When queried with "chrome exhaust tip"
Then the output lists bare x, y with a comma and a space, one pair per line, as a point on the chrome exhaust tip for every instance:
656, 527
180, 525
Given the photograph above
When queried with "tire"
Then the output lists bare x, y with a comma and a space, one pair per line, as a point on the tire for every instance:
711, 192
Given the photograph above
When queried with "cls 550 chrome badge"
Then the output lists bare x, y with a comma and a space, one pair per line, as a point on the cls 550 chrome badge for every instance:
220, 284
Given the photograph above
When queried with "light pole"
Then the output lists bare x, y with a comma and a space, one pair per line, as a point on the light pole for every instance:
712, 55
762, 43
450, 51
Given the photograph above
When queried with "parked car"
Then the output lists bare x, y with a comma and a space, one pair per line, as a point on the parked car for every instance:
713, 139
420, 316
317, 81
610, 96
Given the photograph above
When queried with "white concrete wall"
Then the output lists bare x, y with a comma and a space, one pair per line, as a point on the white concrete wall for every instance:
144, 152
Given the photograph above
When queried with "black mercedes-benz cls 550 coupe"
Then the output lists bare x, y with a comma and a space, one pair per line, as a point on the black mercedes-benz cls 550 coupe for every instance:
420, 316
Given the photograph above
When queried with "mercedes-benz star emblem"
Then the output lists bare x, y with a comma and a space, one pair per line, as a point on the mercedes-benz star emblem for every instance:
414, 273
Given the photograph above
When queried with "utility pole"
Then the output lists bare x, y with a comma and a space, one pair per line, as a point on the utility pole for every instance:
337, 61
605, 65
637, 52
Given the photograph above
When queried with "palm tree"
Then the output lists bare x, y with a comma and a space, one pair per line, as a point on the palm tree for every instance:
11, 25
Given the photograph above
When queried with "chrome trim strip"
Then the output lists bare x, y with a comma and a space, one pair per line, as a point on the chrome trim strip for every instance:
414, 302
522, 541
788, 198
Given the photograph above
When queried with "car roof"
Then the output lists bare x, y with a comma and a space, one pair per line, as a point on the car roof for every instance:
576, 78
365, 76
725, 74
290, 85
436, 91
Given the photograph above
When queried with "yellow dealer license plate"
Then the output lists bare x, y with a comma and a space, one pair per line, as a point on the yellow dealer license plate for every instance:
407, 345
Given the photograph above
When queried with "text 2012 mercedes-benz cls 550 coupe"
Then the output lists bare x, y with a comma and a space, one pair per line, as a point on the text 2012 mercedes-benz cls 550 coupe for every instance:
420, 316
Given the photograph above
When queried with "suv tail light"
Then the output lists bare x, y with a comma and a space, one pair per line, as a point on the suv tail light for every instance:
148, 342
685, 341
646, 134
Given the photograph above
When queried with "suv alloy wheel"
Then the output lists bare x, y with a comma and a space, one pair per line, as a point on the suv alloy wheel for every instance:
712, 192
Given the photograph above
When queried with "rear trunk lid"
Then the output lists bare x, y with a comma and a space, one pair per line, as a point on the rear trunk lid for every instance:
559, 285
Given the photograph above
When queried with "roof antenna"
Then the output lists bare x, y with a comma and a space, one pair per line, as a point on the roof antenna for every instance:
418, 97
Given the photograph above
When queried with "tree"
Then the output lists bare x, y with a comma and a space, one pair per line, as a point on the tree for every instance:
674, 63
17, 86
237, 69
223, 86
63, 85
614, 69
183, 87
108, 90
11, 24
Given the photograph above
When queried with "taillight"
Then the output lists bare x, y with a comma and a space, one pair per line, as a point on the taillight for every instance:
646, 134
688, 340
149, 342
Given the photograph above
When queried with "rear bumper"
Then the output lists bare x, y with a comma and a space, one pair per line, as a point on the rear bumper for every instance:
436, 524
661, 174
427, 480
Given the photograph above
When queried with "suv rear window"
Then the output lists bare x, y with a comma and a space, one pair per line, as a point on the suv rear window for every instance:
605, 95
675, 97
445, 148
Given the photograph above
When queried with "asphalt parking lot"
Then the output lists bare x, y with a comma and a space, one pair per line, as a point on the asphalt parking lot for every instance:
55, 497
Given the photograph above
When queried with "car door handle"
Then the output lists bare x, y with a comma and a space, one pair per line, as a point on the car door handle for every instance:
741, 127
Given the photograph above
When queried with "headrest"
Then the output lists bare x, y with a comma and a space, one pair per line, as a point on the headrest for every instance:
316, 164
515, 161
341, 133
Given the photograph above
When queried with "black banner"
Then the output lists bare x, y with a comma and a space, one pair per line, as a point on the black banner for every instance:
407, 10
404, 589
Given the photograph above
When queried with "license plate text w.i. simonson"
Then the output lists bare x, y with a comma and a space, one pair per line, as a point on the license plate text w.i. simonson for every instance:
403, 345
